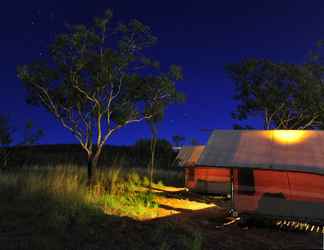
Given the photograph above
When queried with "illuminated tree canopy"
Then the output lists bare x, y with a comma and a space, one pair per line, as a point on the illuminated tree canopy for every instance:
96, 80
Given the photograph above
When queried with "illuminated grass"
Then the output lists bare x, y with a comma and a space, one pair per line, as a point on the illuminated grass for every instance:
54, 209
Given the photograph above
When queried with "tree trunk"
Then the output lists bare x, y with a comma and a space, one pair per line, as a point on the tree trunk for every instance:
153, 151
92, 167
4, 157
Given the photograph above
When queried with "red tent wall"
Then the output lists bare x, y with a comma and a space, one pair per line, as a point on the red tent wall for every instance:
294, 186
219, 176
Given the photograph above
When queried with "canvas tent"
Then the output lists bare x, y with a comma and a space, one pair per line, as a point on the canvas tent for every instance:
273, 172
189, 155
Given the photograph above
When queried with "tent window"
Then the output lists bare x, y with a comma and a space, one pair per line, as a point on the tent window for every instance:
246, 181
191, 174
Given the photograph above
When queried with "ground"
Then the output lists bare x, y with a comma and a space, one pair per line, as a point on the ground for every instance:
183, 220
192, 211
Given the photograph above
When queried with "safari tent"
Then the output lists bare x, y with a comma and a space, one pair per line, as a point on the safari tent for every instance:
271, 172
200, 178
189, 155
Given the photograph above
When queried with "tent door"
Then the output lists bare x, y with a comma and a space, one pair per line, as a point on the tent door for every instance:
246, 184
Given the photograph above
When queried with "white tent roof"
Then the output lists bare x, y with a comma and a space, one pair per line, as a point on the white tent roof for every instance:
294, 150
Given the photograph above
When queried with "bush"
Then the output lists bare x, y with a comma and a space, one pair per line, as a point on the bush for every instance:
141, 153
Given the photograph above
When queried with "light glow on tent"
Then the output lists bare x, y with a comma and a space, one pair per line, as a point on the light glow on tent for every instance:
289, 136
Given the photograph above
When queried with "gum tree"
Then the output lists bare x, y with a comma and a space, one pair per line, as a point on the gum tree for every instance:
285, 96
96, 79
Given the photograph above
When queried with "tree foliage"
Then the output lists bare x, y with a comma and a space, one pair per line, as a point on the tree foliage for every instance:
30, 137
194, 142
286, 96
6, 138
97, 79
164, 153
242, 127
178, 140
5, 131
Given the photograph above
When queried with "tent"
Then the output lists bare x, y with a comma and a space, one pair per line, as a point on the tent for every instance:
272, 172
189, 155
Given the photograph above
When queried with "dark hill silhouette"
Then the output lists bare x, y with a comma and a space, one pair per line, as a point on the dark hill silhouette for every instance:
128, 156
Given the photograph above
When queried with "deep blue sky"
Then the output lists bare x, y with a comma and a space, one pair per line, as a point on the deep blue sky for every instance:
201, 36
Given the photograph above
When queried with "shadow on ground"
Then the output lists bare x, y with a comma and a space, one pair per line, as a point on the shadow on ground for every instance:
36, 223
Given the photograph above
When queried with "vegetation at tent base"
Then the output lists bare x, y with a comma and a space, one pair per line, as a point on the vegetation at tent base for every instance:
285, 96
55, 209
97, 80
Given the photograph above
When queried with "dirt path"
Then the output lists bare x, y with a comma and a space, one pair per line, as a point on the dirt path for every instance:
190, 211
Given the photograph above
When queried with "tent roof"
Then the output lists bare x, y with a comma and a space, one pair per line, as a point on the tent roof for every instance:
189, 155
294, 150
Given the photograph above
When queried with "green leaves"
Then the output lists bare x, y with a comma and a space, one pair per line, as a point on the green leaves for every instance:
175, 72
286, 96
98, 79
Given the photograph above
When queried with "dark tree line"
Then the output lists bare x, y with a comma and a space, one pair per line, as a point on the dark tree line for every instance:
30, 137
132, 156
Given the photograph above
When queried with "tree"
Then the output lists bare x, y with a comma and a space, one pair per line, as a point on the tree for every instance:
141, 153
158, 109
178, 140
31, 135
194, 142
286, 96
96, 80
5, 131
154, 139
241, 127
6, 139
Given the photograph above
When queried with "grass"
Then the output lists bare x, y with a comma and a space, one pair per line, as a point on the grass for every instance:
53, 208
165, 177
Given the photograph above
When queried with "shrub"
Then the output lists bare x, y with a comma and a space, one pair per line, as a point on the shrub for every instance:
146, 181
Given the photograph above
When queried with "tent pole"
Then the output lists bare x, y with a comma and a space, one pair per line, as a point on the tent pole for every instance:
232, 190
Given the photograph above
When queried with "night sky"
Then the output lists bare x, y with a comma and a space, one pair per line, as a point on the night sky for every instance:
201, 36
